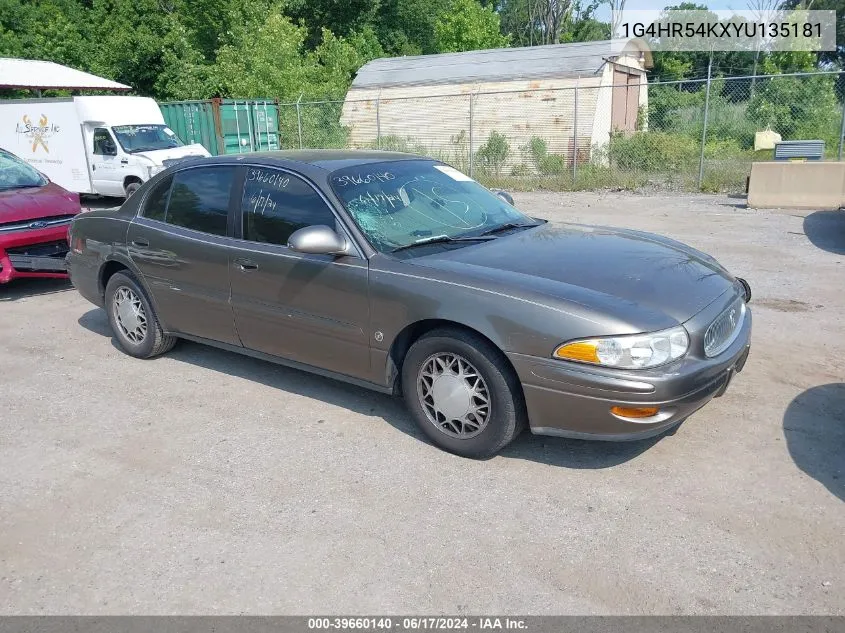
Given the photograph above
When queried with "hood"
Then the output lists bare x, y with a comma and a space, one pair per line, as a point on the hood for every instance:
626, 273
17, 205
160, 155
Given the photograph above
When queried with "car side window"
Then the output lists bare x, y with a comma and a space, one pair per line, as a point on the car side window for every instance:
200, 199
103, 142
155, 206
276, 203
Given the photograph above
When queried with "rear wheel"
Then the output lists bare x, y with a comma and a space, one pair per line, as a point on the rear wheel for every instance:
462, 392
133, 320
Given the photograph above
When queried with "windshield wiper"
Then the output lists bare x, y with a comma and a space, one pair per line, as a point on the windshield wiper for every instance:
442, 239
506, 227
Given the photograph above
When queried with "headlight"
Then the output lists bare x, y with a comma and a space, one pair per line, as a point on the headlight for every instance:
154, 169
636, 351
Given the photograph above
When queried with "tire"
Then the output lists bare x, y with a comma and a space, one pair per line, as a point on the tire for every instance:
480, 433
131, 187
123, 287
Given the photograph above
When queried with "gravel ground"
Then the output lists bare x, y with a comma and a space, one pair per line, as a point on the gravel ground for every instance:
208, 482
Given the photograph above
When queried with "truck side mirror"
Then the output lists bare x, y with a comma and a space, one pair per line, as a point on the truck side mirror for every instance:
108, 148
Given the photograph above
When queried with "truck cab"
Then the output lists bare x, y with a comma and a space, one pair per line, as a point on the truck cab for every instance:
127, 142
123, 157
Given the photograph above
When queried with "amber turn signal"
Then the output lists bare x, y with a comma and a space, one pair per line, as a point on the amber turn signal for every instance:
581, 350
634, 412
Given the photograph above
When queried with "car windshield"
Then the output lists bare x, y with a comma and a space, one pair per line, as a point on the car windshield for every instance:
16, 173
145, 138
400, 203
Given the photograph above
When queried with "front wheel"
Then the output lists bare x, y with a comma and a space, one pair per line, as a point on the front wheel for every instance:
463, 393
131, 187
132, 318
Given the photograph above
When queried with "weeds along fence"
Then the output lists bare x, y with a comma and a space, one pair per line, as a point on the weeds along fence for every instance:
683, 135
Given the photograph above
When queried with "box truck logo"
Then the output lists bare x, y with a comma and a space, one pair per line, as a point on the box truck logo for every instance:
37, 134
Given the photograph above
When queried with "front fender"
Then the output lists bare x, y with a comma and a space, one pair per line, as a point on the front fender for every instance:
402, 295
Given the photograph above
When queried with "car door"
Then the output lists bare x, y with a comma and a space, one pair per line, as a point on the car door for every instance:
313, 309
105, 165
179, 242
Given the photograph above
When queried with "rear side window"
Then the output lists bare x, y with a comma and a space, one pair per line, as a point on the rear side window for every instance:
155, 206
276, 203
200, 199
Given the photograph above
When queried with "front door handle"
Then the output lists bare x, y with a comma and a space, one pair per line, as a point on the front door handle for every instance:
140, 243
246, 265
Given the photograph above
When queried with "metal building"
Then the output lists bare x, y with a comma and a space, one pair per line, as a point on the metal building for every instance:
569, 95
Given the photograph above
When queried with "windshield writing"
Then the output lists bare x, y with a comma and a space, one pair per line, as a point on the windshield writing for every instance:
399, 203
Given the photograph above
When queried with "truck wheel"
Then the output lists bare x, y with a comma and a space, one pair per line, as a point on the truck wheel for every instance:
132, 319
462, 393
131, 187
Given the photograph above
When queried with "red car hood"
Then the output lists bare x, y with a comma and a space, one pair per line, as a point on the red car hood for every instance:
18, 205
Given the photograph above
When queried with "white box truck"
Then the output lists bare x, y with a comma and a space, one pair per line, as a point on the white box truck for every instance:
106, 145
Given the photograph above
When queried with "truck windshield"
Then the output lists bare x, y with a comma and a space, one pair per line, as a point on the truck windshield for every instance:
16, 174
145, 138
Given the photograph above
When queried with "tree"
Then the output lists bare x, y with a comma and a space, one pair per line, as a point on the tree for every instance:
341, 17
467, 26
406, 27
268, 57
830, 57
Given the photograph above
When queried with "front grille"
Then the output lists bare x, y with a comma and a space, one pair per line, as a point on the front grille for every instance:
724, 330
44, 257
57, 248
39, 223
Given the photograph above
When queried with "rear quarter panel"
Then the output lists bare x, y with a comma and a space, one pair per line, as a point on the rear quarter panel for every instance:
95, 240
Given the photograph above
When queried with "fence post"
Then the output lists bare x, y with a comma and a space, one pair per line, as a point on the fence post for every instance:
299, 120
575, 139
842, 127
471, 99
378, 122
704, 127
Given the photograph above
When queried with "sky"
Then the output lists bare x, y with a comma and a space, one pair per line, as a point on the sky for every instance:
604, 12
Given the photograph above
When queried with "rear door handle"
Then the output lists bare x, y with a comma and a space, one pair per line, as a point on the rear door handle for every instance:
140, 243
246, 264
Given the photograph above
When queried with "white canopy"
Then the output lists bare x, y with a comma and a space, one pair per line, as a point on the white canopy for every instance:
34, 74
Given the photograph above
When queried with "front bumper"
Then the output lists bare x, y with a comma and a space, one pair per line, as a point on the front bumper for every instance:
35, 253
574, 400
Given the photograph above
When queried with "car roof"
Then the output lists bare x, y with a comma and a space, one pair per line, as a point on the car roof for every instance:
328, 159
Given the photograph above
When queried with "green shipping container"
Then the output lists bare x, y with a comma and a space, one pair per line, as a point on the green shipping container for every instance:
225, 126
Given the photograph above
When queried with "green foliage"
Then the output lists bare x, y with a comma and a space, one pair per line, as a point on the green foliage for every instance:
798, 108
538, 148
467, 26
653, 151
493, 154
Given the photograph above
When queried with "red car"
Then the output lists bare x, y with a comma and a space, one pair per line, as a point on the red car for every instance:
34, 218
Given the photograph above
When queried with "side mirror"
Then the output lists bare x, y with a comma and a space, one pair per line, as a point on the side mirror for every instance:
318, 240
504, 195
109, 148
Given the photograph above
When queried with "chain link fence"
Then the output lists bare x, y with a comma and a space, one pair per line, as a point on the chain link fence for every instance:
678, 136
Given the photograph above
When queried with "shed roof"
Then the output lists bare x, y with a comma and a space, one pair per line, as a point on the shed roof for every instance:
576, 59
35, 74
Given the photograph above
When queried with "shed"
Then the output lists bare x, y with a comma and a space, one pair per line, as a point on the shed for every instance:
571, 96
34, 74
